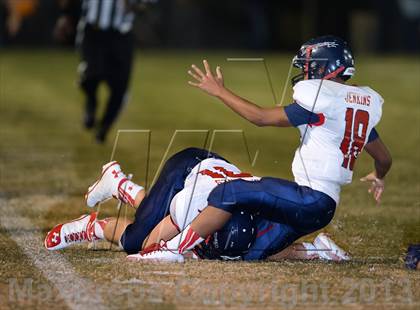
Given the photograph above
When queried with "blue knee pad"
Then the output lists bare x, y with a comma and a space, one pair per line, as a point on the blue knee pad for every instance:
235, 194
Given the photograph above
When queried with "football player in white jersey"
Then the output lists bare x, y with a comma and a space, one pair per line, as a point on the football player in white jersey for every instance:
151, 209
336, 121
181, 190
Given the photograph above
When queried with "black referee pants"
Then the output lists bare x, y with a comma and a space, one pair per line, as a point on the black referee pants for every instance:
106, 56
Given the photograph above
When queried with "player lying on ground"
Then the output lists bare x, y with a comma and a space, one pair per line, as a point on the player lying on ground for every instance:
336, 122
178, 197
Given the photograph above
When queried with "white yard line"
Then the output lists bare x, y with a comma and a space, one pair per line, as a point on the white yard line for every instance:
76, 292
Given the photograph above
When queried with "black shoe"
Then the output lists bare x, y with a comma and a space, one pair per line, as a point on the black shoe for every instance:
90, 111
101, 136
89, 120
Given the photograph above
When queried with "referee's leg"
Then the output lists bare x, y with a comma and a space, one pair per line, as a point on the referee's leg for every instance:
118, 77
91, 70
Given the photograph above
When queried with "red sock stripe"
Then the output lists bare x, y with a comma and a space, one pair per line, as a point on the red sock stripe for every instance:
124, 196
121, 183
189, 240
90, 227
121, 196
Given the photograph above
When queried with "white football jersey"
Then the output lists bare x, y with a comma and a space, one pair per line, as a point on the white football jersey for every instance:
203, 178
330, 147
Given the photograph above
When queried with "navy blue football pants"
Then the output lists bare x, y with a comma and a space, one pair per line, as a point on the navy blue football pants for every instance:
285, 211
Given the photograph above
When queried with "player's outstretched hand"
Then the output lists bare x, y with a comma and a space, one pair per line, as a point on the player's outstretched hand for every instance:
377, 186
211, 84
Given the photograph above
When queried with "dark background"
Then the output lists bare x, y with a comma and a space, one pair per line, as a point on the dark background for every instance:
370, 25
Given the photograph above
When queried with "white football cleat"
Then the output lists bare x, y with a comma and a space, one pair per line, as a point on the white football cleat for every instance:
157, 253
327, 249
106, 186
76, 231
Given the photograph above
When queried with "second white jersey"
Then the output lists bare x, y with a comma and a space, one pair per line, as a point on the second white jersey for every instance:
203, 178
330, 147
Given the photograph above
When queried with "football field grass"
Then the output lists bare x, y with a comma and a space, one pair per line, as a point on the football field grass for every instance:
47, 161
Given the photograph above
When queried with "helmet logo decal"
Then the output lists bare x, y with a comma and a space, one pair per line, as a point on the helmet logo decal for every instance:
325, 44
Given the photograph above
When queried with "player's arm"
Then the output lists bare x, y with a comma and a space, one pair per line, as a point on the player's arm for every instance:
165, 230
214, 86
383, 162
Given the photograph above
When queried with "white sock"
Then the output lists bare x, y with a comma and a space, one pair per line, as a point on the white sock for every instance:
310, 248
186, 240
99, 227
128, 190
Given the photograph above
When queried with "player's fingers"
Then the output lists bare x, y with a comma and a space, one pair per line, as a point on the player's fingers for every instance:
194, 75
219, 73
198, 71
378, 199
207, 67
378, 194
194, 84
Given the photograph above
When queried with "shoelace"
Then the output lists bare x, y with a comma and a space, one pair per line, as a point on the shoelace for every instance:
76, 237
151, 248
156, 248
84, 235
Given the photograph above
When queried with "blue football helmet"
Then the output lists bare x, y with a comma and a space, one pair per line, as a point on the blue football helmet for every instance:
232, 241
413, 256
324, 57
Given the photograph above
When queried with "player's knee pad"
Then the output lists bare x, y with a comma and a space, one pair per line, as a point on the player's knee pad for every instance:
130, 243
225, 196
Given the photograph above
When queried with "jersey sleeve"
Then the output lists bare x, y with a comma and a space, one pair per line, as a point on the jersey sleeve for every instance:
298, 115
373, 135
312, 96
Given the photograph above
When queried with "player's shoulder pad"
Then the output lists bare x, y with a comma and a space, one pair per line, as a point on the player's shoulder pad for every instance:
306, 92
374, 93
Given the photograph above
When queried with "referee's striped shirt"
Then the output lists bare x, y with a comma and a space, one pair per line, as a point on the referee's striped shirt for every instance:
108, 14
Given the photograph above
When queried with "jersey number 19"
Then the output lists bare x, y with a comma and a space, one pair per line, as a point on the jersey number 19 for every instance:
354, 136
